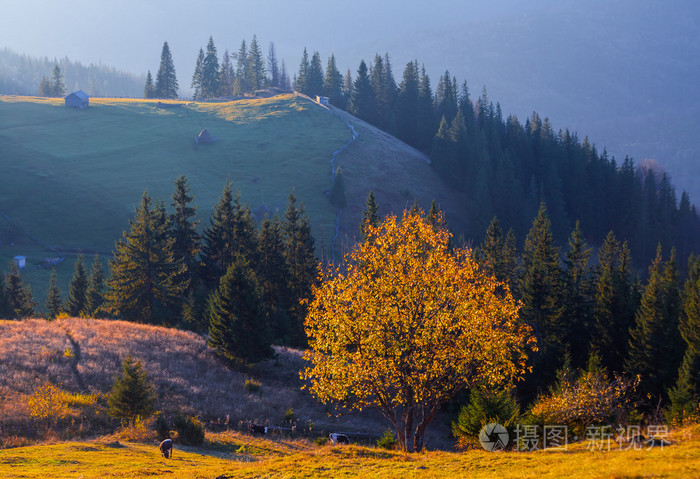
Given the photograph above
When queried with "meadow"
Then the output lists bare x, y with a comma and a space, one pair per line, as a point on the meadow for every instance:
71, 178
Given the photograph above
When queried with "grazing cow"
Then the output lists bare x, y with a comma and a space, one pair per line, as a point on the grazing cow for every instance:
166, 448
338, 438
255, 429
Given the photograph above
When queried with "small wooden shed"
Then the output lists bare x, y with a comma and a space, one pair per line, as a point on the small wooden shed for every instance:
78, 99
20, 261
204, 137
322, 100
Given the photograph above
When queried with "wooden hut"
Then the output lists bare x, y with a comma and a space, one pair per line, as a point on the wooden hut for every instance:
204, 137
78, 99
322, 100
20, 261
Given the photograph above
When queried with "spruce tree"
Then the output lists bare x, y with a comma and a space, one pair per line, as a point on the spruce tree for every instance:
183, 227
227, 76
302, 265
273, 67
149, 91
540, 288
197, 76
58, 89
210, 71
132, 398
685, 395
242, 81
238, 328
45, 87
301, 84
497, 255
363, 101
315, 76
370, 215
147, 282
407, 105
333, 84
166, 78
53, 297
94, 295
652, 349
273, 274
256, 65
75, 302
285, 83
20, 301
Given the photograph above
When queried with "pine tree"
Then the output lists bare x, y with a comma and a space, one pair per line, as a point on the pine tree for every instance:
149, 91
302, 265
370, 216
273, 275
19, 296
425, 116
58, 89
94, 295
363, 102
53, 297
333, 84
45, 87
540, 288
75, 302
146, 283
227, 76
496, 255
210, 71
273, 67
242, 82
407, 105
132, 398
238, 328
197, 76
166, 78
256, 65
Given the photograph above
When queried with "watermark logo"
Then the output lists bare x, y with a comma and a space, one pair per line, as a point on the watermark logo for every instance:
493, 437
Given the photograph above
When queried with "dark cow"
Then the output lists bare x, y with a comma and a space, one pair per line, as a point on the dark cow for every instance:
166, 448
339, 438
255, 429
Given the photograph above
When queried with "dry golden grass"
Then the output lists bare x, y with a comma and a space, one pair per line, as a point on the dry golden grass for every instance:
189, 378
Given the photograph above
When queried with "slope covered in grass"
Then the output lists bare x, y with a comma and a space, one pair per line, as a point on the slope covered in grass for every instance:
70, 178
85, 355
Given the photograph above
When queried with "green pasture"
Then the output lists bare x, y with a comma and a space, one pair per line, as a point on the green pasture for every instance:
71, 178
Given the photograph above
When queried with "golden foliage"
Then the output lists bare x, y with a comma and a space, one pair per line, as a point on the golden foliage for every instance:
407, 322
52, 403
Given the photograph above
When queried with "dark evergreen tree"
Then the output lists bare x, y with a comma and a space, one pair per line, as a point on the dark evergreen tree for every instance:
301, 84
273, 275
362, 102
498, 256
315, 76
133, 397
53, 297
333, 84
149, 91
370, 215
183, 227
425, 117
75, 302
347, 86
166, 78
242, 82
197, 76
302, 265
384, 86
94, 294
285, 83
227, 76
146, 281
652, 348
540, 288
338, 198
58, 89
256, 66
19, 296
685, 395
45, 87
238, 327
407, 105
210, 72
273, 67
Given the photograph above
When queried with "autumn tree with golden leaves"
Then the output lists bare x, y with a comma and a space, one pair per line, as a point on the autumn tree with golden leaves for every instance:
406, 322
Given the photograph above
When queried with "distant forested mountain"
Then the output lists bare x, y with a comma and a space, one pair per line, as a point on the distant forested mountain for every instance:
22, 74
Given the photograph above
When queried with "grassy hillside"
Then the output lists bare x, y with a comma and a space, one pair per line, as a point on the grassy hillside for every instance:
85, 356
240, 456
